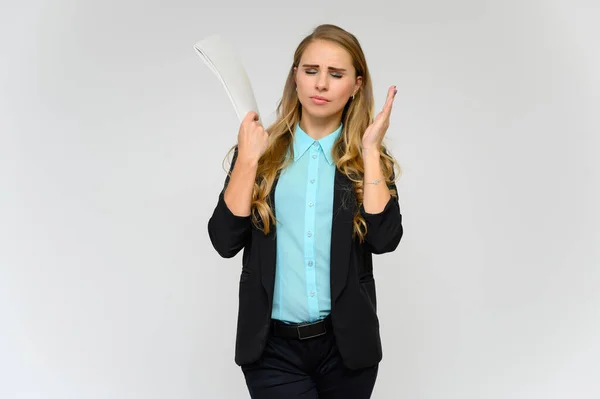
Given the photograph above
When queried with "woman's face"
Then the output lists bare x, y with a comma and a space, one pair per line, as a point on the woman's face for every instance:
325, 78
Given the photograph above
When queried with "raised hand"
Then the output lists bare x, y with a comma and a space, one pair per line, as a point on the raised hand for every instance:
252, 138
375, 132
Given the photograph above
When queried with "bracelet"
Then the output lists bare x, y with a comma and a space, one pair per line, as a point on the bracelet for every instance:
374, 182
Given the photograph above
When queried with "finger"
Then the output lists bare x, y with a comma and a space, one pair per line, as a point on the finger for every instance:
251, 116
387, 108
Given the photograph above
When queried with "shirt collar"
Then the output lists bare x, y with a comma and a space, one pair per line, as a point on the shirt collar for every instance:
302, 142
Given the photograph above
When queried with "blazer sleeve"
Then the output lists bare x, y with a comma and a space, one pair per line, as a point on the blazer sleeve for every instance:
384, 229
228, 233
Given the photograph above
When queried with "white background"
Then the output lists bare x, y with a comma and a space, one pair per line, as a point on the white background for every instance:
112, 137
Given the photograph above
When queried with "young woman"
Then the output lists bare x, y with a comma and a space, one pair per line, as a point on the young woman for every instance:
310, 199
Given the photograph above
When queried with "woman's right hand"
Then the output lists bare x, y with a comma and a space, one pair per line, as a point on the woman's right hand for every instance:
252, 138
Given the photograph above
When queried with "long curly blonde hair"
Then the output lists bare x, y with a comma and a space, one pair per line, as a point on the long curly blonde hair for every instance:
357, 115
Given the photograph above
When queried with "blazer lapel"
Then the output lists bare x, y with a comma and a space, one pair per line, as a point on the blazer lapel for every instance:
268, 249
344, 206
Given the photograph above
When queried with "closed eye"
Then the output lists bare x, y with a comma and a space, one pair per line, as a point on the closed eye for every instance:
314, 71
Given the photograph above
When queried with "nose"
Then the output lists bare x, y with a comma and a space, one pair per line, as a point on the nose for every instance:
322, 82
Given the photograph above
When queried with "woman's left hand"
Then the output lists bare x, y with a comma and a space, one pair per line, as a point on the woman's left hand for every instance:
373, 136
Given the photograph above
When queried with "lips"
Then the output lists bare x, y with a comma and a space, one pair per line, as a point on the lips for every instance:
318, 100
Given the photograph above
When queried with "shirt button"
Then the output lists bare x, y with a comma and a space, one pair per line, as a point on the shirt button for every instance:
315, 144
310, 263
312, 293
314, 156
312, 180
310, 204
309, 234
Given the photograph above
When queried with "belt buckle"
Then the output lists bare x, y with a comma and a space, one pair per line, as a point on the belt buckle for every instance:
300, 337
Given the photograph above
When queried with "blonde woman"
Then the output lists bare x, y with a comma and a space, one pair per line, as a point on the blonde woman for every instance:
310, 199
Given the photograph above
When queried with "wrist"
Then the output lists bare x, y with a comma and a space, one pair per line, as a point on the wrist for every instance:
371, 151
247, 161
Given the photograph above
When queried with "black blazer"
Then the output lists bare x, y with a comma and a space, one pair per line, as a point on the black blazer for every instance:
353, 297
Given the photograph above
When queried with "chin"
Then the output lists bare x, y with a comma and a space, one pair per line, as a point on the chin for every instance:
319, 111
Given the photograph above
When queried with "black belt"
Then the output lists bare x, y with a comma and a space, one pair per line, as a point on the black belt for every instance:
301, 331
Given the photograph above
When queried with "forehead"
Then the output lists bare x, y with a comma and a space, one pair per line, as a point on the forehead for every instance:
325, 54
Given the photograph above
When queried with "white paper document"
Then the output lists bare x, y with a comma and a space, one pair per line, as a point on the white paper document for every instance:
221, 57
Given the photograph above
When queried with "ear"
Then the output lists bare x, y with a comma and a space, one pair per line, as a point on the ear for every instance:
295, 72
357, 84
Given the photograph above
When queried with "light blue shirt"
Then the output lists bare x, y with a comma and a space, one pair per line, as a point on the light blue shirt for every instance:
304, 209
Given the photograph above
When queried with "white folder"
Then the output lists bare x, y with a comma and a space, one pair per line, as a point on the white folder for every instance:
221, 57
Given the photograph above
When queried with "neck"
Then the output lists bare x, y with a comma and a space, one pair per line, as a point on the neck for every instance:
318, 128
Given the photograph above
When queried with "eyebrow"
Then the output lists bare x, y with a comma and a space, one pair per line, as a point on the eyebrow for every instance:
330, 68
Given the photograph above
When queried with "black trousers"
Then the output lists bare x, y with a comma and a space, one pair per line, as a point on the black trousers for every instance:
306, 369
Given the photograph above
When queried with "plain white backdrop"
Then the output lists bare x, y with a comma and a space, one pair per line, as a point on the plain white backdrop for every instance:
112, 137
